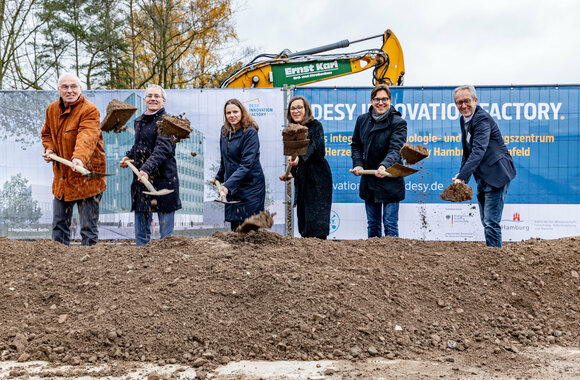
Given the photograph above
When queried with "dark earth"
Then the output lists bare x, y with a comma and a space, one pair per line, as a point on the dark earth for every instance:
457, 192
208, 301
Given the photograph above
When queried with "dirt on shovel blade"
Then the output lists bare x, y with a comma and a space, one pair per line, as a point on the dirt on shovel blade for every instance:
118, 114
457, 192
413, 154
176, 127
294, 132
264, 219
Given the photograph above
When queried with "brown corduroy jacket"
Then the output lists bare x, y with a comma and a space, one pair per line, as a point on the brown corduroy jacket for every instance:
75, 132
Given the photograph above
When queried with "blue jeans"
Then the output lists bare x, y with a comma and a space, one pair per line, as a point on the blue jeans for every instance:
491, 200
88, 217
390, 218
143, 225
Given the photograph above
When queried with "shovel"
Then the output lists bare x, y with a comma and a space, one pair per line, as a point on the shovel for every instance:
85, 172
264, 219
294, 149
222, 196
396, 170
148, 184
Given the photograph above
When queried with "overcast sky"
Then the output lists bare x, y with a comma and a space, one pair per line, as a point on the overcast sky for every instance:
445, 42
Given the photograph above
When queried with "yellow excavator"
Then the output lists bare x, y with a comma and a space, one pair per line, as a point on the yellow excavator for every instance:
307, 66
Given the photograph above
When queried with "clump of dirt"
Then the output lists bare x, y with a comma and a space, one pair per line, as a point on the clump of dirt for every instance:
414, 153
457, 192
264, 219
118, 114
176, 127
294, 139
262, 296
294, 132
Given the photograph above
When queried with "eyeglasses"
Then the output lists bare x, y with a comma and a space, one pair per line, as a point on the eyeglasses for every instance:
378, 100
462, 102
66, 87
297, 108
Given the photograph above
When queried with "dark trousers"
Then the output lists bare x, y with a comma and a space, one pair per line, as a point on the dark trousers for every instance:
88, 217
491, 200
386, 214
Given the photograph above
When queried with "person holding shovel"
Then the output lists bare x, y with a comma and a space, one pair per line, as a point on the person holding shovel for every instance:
376, 144
72, 131
240, 174
312, 175
154, 156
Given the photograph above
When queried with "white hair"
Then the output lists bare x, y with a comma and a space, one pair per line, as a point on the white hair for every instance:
163, 93
73, 75
466, 87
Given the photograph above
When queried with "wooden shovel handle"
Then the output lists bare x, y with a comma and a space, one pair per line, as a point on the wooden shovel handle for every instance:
143, 180
80, 169
220, 193
288, 168
368, 171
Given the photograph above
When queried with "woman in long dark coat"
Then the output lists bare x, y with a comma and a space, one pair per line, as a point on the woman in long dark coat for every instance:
377, 140
312, 176
240, 173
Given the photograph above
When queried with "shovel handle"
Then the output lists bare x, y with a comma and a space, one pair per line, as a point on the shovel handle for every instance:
368, 171
143, 180
80, 169
288, 168
220, 193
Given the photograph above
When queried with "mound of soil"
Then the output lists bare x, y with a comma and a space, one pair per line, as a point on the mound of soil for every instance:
413, 154
457, 192
261, 295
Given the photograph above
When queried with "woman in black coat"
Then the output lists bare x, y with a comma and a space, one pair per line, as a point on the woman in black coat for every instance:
154, 156
377, 140
240, 173
312, 176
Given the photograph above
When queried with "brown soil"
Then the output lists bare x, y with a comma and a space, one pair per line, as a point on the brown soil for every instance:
231, 296
457, 192
413, 154
118, 114
177, 127
264, 219
294, 132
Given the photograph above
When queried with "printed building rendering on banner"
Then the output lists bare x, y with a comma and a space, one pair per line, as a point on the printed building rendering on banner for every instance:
540, 126
29, 178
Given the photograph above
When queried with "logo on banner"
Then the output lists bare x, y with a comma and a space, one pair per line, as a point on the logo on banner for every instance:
516, 217
334, 221
258, 110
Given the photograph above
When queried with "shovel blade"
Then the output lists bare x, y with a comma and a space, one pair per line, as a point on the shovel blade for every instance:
159, 192
398, 170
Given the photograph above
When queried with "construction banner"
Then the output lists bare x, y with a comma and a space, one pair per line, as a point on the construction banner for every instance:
26, 197
540, 127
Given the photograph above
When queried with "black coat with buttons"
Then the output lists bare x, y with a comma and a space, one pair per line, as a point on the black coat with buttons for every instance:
375, 144
155, 155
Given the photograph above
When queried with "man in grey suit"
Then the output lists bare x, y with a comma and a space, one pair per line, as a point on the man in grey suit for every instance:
487, 158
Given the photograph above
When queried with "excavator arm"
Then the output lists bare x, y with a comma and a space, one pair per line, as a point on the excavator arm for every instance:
307, 66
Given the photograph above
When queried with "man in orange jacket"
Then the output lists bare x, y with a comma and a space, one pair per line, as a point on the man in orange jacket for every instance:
72, 131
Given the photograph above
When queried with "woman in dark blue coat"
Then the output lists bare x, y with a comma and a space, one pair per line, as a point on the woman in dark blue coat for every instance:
240, 172
154, 156
377, 140
312, 175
